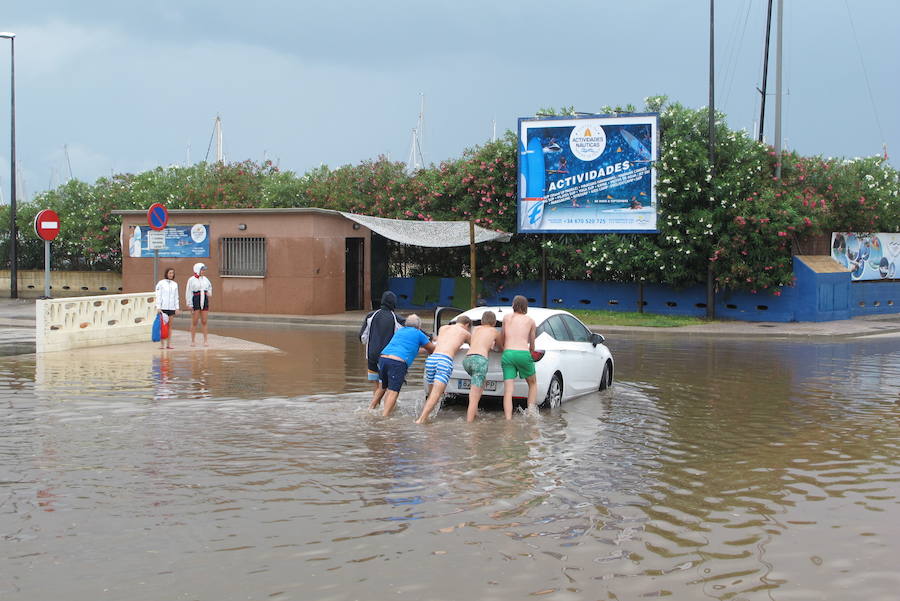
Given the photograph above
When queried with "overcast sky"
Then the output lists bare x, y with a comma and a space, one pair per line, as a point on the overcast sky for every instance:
126, 86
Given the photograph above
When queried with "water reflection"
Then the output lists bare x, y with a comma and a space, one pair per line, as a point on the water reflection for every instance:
713, 468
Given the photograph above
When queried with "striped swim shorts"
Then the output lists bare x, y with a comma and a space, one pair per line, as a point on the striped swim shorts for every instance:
438, 368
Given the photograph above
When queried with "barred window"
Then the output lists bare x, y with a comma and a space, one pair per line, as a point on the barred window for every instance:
242, 256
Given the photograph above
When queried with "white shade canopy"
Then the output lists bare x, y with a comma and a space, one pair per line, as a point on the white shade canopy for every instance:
434, 234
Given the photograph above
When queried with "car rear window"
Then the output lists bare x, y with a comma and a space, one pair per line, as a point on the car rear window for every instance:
555, 328
576, 328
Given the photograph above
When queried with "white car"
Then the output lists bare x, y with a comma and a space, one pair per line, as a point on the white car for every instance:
575, 361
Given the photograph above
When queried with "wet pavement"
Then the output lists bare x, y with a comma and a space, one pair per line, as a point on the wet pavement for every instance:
17, 321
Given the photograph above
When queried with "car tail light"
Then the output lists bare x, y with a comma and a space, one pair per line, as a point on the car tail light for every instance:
537, 355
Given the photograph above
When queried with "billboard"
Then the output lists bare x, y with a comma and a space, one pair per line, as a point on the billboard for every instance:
867, 256
588, 174
180, 241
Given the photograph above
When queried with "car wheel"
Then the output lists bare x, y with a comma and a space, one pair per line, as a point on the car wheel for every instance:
554, 392
606, 378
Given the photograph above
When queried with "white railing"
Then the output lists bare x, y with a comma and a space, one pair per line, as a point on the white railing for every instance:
87, 321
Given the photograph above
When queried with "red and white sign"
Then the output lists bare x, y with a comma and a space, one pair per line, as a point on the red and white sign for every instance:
46, 225
157, 216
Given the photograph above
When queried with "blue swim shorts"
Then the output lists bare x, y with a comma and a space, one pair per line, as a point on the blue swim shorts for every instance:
438, 368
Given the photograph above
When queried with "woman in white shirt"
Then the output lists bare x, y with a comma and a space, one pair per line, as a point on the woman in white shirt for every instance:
197, 293
167, 302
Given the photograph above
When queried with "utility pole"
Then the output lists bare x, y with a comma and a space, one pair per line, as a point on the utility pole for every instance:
765, 76
710, 276
13, 229
778, 53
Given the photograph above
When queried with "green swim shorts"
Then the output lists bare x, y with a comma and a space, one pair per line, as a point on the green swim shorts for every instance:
476, 366
517, 364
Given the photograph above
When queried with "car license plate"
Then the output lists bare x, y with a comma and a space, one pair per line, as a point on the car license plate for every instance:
488, 384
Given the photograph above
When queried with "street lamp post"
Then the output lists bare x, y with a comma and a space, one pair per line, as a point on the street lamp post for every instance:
13, 233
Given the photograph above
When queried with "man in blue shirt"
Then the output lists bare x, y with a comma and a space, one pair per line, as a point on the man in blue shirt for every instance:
396, 358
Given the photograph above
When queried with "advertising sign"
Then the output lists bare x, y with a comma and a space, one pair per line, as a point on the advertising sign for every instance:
587, 174
868, 256
180, 241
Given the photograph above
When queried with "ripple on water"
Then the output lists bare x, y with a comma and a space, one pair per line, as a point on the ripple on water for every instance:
730, 469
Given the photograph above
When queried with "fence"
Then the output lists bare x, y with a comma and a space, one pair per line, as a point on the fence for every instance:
64, 283
89, 321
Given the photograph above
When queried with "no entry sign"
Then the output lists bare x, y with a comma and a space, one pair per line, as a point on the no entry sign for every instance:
157, 216
46, 225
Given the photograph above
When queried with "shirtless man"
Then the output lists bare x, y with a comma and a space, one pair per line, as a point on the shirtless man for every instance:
439, 365
485, 338
518, 342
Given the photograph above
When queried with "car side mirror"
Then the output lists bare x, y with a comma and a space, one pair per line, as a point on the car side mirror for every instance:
597, 339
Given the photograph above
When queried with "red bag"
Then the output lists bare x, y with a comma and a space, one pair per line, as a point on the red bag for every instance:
164, 327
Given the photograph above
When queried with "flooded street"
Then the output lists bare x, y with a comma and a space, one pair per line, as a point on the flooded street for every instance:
738, 469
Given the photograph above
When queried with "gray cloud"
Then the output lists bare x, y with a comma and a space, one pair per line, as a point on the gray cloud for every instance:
128, 86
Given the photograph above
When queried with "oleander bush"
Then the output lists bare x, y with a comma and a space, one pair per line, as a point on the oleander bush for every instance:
734, 216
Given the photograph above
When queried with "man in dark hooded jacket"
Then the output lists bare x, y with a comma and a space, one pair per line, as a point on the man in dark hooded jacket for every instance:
377, 330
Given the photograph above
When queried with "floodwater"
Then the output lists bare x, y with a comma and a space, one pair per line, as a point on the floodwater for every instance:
713, 469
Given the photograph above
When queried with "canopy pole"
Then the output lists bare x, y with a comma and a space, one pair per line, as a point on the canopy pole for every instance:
472, 266
544, 274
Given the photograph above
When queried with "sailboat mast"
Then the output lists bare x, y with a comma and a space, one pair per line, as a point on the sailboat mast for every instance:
420, 129
416, 159
220, 151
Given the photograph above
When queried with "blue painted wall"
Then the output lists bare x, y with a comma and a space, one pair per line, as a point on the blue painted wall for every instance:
821, 296
814, 297
874, 298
